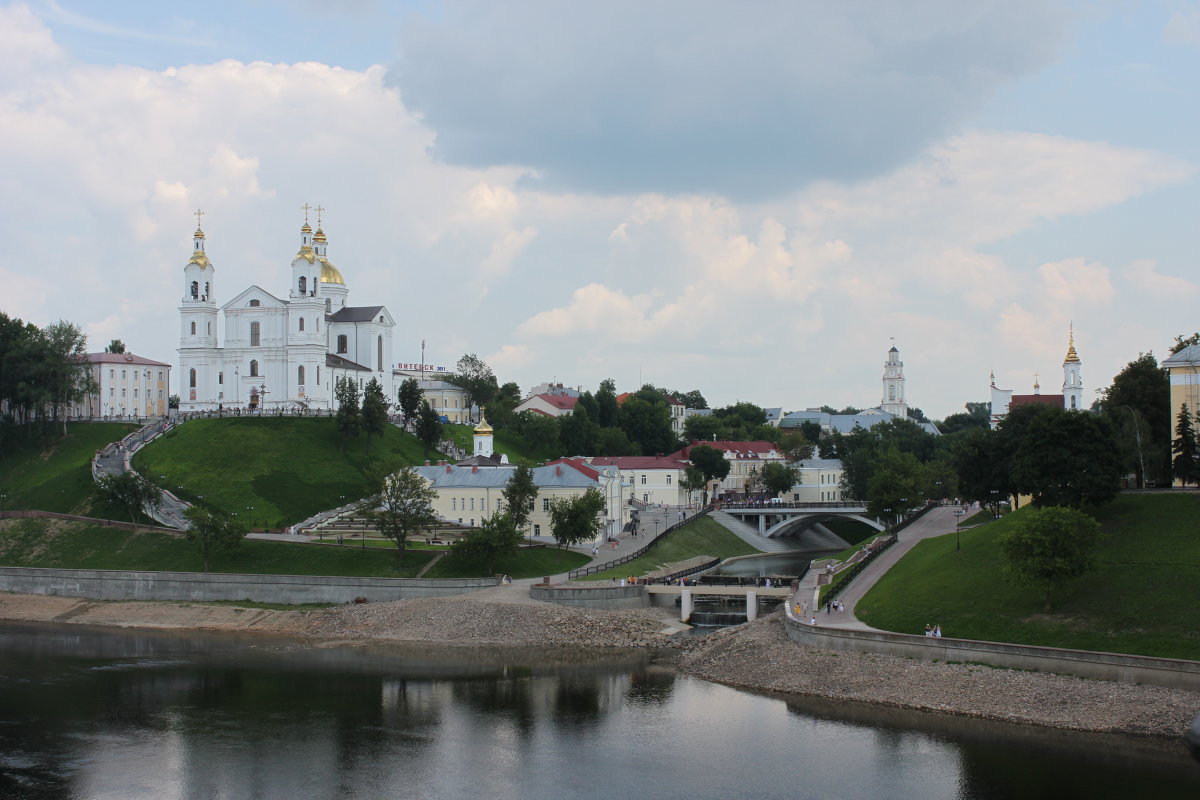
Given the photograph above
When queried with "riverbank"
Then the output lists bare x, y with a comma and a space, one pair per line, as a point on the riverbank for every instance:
756, 656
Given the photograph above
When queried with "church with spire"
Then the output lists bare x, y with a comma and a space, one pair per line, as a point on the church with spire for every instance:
1071, 398
259, 351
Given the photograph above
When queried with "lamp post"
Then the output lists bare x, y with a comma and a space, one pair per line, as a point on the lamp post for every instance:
957, 542
656, 521
251, 510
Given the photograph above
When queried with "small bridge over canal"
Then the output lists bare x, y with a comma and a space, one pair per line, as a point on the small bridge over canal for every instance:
773, 520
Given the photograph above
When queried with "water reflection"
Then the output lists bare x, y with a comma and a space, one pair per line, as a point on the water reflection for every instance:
115, 714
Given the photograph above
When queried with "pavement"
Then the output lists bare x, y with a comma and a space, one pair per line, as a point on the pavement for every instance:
937, 522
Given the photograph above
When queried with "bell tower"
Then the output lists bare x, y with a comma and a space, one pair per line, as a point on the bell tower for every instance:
893, 385
198, 317
1072, 378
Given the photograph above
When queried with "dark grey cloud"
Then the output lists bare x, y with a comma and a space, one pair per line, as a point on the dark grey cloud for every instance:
745, 99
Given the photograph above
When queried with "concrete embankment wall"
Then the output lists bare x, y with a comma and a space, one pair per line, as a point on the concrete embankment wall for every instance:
605, 597
98, 584
1169, 672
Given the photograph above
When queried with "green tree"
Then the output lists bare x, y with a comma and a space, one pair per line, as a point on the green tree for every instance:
896, 484
349, 413
977, 416
647, 422
519, 493
694, 480
212, 532
497, 536
1066, 458
65, 380
1185, 341
1138, 403
476, 378
130, 491
705, 428
607, 411
1049, 546
981, 463
374, 412
115, 346
1186, 449
500, 408
577, 519
710, 461
539, 430
408, 397
401, 504
578, 434
429, 427
614, 442
778, 478
692, 399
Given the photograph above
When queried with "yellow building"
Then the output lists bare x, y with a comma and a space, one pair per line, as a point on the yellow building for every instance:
1184, 371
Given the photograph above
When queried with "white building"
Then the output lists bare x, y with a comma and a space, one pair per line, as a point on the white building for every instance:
126, 385
262, 351
650, 479
893, 385
1003, 400
818, 480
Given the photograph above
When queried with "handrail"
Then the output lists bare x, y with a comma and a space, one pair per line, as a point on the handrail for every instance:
625, 559
878, 547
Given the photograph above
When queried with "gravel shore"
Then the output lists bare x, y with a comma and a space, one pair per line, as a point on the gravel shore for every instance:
755, 656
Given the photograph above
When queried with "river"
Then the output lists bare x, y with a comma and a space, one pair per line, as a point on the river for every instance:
99, 713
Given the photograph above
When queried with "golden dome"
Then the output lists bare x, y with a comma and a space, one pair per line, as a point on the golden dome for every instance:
307, 228
330, 273
1072, 356
483, 427
307, 254
319, 236
199, 259
199, 234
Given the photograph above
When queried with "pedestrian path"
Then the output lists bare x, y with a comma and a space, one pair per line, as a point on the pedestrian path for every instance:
750, 535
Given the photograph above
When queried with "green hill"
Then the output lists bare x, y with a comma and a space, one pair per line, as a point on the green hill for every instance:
55, 474
286, 468
1141, 599
508, 442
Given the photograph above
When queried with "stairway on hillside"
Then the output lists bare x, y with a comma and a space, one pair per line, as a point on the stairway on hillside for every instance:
750, 535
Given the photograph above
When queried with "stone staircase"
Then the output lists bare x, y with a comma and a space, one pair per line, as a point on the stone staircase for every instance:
749, 534
351, 525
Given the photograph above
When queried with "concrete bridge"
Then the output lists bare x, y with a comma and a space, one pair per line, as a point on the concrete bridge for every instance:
780, 519
687, 595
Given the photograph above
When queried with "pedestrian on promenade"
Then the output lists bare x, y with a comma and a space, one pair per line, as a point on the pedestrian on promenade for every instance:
813, 622
928, 630
937, 631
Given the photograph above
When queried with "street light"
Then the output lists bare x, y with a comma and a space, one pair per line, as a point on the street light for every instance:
957, 542
251, 510
656, 521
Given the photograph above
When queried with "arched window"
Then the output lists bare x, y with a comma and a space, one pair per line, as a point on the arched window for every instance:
379, 354
343, 345
328, 305
299, 376
206, 293
193, 329
221, 378
302, 323
253, 369
255, 303
192, 378
195, 290
303, 285
255, 337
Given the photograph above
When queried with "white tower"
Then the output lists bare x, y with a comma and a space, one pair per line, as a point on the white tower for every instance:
307, 338
893, 385
1072, 379
199, 358
483, 438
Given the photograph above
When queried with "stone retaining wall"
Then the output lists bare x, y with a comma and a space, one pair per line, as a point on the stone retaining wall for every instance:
1168, 672
98, 584
605, 597
111, 523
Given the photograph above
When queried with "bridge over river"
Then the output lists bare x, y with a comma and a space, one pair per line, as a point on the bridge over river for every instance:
784, 519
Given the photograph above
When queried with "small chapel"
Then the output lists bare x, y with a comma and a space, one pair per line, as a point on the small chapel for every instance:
261, 352
1071, 398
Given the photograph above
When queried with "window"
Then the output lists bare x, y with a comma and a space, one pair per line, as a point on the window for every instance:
112, 392
206, 292
303, 285
112, 373
643, 479
668, 480
122, 374
122, 393
645, 497
328, 308
531, 502
253, 369
302, 323
454, 504
255, 303
209, 327
379, 353
193, 329
255, 334
318, 376
192, 379
343, 344
195, 290
472, 504
545, 504
221, 378
537, 530
498, 509
135, 392
299, 376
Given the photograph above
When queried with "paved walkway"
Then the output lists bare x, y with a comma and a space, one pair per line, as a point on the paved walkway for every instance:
937, 522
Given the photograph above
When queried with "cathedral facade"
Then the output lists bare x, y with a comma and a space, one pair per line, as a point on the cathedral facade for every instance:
1071, 398
263, 352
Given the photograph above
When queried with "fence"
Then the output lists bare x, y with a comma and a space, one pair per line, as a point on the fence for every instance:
583, 572
875, 550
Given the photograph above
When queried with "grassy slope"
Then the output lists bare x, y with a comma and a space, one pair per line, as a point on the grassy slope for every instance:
1141, 599
527, 563
56, 475
507, 442
34, 543
701, 537
288, 468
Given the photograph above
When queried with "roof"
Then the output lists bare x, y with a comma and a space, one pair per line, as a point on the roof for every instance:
355, 314
481, 461
820, 463
343, 363
1187, 357
578, 464
638, 462
1055, 400
742, 450
560, 401
560, 474
122, 358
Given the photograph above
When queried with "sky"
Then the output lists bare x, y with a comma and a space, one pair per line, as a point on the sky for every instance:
750, 199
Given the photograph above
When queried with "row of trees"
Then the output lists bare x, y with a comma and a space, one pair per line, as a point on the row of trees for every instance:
40, 374
368, 412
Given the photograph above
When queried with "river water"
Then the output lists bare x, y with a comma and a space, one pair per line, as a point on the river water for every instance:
87, 713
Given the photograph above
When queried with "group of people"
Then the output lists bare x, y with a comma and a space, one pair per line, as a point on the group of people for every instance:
934, 631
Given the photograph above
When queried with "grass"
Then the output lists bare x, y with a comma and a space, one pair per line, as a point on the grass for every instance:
508, 442
41, 543
54, 473
1141, 599
531, 562
700, 537
287, 468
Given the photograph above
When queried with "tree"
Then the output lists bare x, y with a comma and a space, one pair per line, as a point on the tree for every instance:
1138, 403
1185, 449
497, 536
977, 416
65, 379
130, 491
539, 430
519, 493
578, 434
705, 428
647, 422
349, 414
692, 399
476, 378
500, 409
115, 346
710, 461
693, 480
778, 478
614, 442
607, 410
577, 519
401, 505
429, 427
981, 462
795, 445
374, 411
1185, 341
1066, 458
1048, 546
212, 532
896, 484
408, 398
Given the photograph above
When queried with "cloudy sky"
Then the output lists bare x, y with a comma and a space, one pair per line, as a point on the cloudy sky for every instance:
748, 198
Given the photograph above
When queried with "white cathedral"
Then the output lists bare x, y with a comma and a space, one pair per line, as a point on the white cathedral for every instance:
278, 353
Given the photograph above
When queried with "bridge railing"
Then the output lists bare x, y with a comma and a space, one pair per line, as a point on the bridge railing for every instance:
757, 505
583, 572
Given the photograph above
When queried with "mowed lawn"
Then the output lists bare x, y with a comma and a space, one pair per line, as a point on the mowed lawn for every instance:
287, 468
700, 537
507, 442
54, 473
70, 545
531, 562
1142, 598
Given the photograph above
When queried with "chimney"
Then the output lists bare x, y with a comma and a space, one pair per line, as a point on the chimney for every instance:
448, 470
474, 468
558, 471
